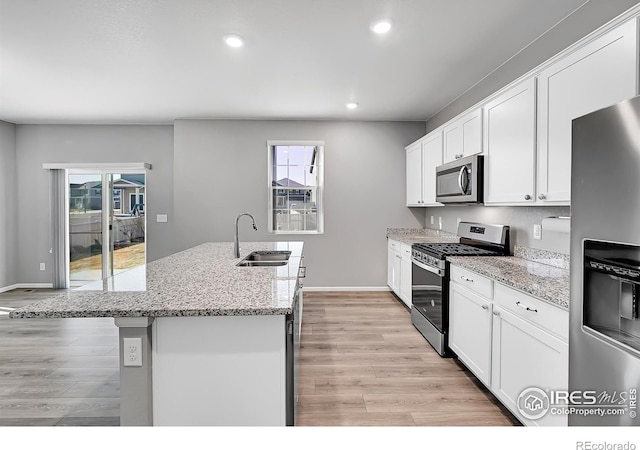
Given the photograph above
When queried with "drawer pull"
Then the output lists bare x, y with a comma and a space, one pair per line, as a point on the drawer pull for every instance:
466, 279
485, 307
526, 307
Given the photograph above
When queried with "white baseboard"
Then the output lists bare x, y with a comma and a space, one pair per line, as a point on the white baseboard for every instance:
26, 286
346, 288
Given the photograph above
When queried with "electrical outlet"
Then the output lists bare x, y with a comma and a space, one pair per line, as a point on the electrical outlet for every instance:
432, 220
132, 351
42, 266
537, 231
440, 223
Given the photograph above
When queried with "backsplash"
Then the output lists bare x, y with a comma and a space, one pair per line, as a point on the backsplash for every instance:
547, 257
520, 219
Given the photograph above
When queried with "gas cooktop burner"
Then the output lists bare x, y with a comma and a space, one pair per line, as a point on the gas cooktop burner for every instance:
453, 249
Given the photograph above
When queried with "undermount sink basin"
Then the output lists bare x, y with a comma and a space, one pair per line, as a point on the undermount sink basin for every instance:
266, 258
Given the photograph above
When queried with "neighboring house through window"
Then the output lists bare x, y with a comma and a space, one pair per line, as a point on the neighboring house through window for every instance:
117, 199
295, 184
136, 204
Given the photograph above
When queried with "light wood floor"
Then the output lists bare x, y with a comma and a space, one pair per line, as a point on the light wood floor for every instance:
362, 363
57, 371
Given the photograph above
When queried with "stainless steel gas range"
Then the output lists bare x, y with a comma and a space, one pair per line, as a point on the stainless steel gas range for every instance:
430, 276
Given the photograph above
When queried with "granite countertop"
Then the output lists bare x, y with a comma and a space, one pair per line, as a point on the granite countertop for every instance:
420, 235
546, 282
200, 281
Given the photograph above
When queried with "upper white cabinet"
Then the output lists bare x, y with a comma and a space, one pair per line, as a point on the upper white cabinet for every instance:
423, 157
414, 174
510, 146
463, 136
597, 75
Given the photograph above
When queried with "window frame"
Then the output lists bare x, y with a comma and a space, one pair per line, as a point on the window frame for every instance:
319, 165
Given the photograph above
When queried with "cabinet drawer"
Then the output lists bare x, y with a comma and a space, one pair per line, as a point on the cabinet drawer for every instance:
541, 313
393, 245
471, 280
405, 251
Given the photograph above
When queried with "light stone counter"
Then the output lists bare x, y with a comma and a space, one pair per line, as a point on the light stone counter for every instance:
543, 281
200, 281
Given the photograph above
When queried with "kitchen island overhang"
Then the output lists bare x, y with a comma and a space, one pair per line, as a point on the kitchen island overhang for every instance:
219, 341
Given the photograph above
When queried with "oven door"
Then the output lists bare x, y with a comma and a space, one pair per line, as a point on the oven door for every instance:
427, 293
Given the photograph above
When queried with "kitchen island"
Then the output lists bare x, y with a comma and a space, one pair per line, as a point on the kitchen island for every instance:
214, 343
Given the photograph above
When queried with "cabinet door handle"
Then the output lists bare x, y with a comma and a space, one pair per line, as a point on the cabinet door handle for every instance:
485, 306
466, 279
527, 197
496, 313
542, 196
523, 306
459, 155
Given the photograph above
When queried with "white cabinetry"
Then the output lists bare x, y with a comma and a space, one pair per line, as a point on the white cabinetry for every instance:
596, 75
470, 328
399, 270
423, 157
510, 340
405, 274
393, 265
463, 136
414, 174
525, 352
510, 146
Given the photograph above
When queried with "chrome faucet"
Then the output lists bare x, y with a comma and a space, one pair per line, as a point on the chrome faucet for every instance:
236, 243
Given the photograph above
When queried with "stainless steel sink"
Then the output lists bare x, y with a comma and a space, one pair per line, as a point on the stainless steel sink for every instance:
266, 258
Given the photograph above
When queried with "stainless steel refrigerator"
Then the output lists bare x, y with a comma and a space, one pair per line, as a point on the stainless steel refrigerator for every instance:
604, 340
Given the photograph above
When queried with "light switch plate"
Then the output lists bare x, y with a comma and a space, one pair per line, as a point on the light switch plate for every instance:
161, 218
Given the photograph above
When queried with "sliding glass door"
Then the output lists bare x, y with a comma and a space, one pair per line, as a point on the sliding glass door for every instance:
106, 224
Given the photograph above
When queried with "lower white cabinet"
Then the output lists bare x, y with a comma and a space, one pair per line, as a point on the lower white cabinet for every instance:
510, 340
393, 265
399, 270
470, 330
405, 274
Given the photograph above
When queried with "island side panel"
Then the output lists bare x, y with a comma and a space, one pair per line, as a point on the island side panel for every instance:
219, 371
136, 394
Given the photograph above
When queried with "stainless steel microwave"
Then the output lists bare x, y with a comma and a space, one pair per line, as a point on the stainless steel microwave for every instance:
460, 181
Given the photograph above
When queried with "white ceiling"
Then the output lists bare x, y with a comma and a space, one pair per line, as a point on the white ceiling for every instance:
153, 61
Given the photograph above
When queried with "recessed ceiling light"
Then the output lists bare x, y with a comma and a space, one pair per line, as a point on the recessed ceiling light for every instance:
352, 105
381, 26
233, 40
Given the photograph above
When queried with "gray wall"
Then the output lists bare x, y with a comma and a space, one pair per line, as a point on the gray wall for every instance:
520, 220
220, 170
8, 198
583, 21
37, 144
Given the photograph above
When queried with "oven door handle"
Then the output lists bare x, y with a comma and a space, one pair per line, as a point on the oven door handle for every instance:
433, 270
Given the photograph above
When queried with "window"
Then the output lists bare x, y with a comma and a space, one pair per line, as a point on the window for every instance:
136, 206
117, 199
295, 187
